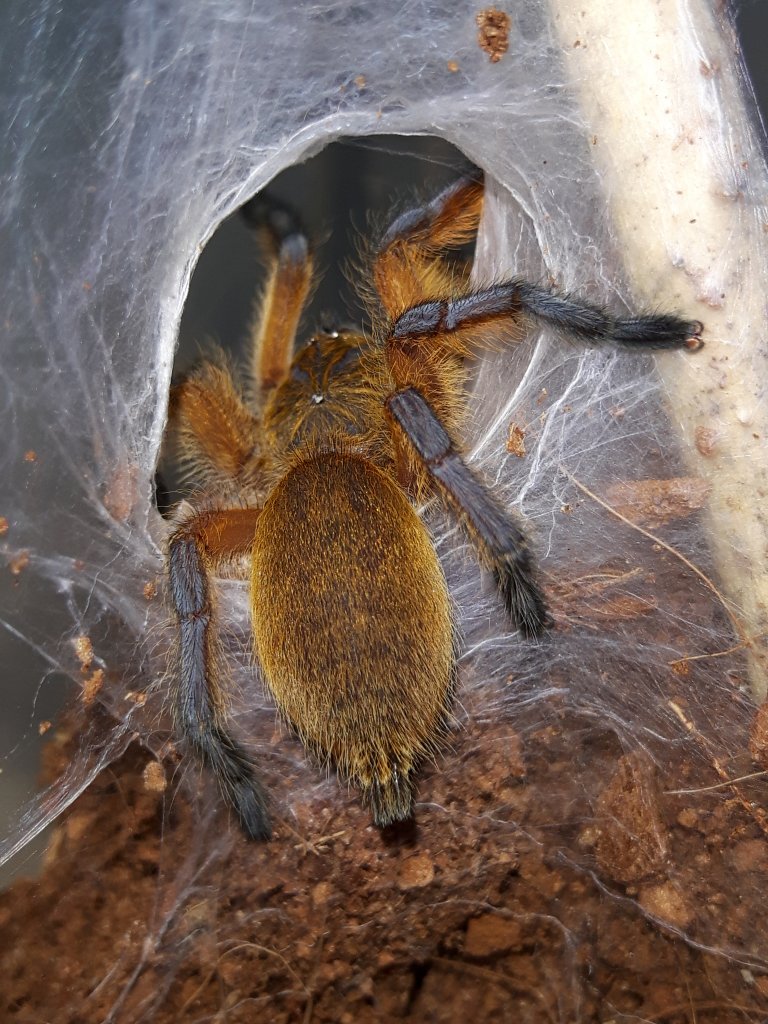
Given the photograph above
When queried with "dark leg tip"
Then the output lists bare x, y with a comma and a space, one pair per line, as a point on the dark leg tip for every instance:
236, 777
693, 342
253, 817
245, 795
523, 600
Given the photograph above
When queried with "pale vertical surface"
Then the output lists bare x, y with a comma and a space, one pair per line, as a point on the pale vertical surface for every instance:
685, 179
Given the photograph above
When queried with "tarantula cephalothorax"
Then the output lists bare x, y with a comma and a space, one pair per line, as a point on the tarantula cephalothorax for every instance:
313, 479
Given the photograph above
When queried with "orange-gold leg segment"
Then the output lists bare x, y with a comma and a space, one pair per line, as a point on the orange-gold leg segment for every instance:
198, 546
215, 433
288, 287
407, 267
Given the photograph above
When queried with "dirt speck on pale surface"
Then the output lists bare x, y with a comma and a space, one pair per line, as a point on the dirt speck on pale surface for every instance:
493, 34
18, 563
552, 874
83, 651
516, 440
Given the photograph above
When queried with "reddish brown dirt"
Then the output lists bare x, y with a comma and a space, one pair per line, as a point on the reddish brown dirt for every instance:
556, 873
477, 913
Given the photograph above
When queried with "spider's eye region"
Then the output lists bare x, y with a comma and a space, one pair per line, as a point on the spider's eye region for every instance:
317, 399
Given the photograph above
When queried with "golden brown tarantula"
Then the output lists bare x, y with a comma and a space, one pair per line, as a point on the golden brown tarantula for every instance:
314, 478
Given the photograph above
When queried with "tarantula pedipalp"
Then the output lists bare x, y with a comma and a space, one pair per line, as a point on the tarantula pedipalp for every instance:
313, 479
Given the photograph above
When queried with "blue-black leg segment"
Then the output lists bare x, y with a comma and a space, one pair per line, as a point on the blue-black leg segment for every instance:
198, 718
500, 540
517, 300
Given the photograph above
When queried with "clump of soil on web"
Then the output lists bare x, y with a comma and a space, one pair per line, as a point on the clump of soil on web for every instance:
553, 875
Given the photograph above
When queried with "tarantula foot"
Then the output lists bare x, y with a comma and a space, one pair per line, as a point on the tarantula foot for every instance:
523, 599
248, 804
693, 342
237, 779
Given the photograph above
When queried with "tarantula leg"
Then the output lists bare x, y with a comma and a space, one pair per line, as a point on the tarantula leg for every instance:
215, 434
208, 539
288, 286
500, 540
450, 219
406, 268
460, 324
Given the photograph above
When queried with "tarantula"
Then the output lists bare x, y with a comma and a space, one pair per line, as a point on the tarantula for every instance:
314, 479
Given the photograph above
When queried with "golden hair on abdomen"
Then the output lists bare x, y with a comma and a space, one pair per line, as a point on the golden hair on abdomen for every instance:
352, 623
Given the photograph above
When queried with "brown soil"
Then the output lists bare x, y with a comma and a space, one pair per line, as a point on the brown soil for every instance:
555, 874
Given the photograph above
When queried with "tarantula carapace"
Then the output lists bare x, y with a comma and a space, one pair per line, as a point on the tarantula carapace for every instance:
313, 477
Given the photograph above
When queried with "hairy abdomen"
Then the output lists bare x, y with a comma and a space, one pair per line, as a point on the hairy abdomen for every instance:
352, 623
